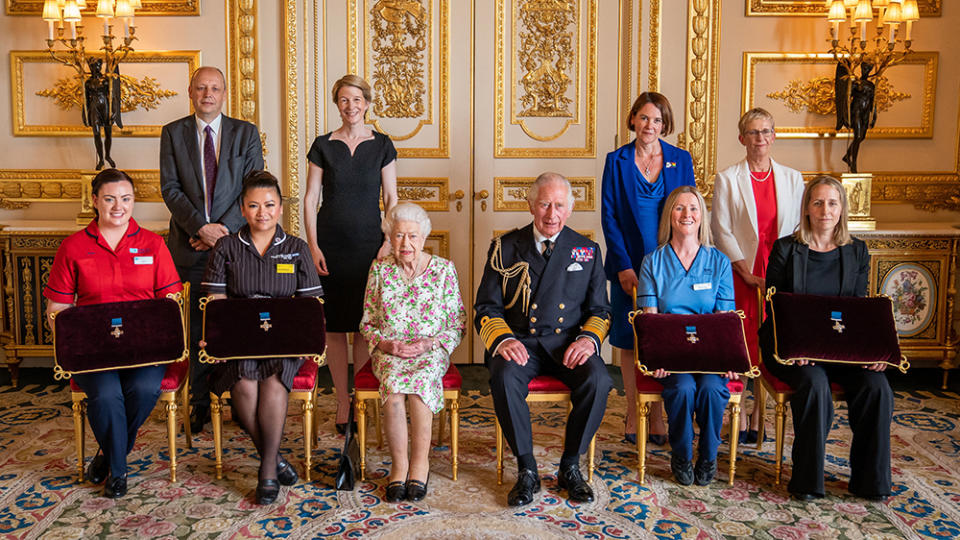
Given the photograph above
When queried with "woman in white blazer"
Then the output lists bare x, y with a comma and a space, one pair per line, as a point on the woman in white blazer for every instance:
755, 202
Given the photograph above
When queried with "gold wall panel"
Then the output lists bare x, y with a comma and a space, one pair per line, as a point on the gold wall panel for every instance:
398, 62
242, 53
824, 65
653, 63
816, 8
438, 243
703, 60
21, 127
19, 188
432, 194
150, 7
291, 141
625, 56
543, 82
510, 193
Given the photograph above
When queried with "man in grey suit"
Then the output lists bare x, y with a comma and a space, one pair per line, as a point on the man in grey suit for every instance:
203, 159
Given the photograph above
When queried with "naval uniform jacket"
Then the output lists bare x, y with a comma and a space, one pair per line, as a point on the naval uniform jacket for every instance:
568, 294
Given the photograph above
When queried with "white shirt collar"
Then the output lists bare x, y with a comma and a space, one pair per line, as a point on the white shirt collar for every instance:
214, 125
539, 238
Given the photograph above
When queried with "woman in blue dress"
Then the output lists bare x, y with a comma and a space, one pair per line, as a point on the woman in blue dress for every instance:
687, 275
636, 179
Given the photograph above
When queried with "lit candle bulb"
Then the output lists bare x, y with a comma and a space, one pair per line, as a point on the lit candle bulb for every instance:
909, 29
50, 27
73, 30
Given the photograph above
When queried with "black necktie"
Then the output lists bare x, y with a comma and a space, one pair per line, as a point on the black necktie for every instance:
547, 249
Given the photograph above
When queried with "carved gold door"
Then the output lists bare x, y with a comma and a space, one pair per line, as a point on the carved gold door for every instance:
479, 98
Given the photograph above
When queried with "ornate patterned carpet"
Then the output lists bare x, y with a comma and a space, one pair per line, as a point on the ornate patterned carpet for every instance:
39, 499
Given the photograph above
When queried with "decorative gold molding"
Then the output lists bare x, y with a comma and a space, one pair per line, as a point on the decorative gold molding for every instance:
442, 97
586, 232
150, 7
20, 127
353, 36
703, 59
653, 67
438, 243
815, 8
242, 55
624, 58
510, 193
928, 59
432, 194
21, 187
589, 148
145, 93
818, 95
291, 141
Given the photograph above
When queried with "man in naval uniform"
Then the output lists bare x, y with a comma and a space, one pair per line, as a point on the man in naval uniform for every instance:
542, 309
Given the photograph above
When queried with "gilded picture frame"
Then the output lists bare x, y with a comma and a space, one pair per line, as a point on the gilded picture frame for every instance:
817, 91
509, 193
815, 8
21, 123
150, 7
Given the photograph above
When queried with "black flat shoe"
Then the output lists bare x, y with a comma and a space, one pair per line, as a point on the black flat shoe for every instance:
571, 479
704, 472
116, 487
267, 491
98, 470
682, 470
528, 483
749, 436
658, 440
286, 474
805, 497
396, 491
417, 490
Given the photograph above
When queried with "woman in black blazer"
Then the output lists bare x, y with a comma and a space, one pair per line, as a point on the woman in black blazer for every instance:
822, 258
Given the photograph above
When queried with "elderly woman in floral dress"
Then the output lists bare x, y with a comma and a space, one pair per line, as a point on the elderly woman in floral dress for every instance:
413, 319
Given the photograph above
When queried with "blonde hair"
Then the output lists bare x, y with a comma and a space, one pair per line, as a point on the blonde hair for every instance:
666, 232
755, 113
354, 81
841, 234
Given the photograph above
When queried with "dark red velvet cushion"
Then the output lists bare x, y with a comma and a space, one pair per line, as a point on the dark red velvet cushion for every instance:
366, 380
174, 375
710, 343
844, 329
118, 335
649, 385
263, 327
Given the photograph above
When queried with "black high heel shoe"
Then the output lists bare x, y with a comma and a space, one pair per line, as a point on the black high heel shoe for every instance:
396, 491
267, 491
417, 490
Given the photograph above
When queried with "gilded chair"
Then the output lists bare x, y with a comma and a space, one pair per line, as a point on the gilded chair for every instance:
367, 388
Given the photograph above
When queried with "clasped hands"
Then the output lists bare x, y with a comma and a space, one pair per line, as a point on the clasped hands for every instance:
576, 354
879, 366
207, 236
661, 373
407, 349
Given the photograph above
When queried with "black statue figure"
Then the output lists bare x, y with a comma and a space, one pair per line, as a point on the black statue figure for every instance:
102, 108
856, 108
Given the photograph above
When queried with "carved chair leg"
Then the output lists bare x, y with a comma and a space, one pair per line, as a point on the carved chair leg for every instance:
172, 435
591, 453
734, 439
499, 452
781, 418
79, 419
216, 407
362, 433
643, 409
455, 433
307, 407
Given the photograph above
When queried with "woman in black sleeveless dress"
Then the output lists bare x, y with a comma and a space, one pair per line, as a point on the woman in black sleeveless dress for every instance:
349, 166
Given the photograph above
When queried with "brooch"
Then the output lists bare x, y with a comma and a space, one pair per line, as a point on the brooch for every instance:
669, 164
692, 334
582, 254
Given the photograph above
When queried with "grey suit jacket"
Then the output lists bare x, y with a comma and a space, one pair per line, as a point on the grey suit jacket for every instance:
181, 180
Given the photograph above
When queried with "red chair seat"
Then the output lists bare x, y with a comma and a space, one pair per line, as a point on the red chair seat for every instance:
649, 385
366, 380
546, 383
171, 379
304, 380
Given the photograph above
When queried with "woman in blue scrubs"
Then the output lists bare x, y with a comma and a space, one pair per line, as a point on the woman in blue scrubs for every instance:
687, 275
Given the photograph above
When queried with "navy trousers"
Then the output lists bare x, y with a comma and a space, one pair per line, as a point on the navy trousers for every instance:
870, 410
589, 385
118, 403
685, 395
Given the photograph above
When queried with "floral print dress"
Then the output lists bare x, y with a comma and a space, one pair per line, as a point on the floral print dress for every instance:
428, 306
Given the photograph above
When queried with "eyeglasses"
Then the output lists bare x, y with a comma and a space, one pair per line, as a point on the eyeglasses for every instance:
766, 132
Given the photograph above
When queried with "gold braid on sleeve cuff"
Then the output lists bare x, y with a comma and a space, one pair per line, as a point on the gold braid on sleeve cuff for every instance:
597, 326
492, 329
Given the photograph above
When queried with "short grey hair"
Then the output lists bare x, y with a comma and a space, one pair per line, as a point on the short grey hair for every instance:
406, 211
547, 178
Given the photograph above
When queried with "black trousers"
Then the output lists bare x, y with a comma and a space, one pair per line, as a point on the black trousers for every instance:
870, 408
589, 386
199, 387
118, 403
